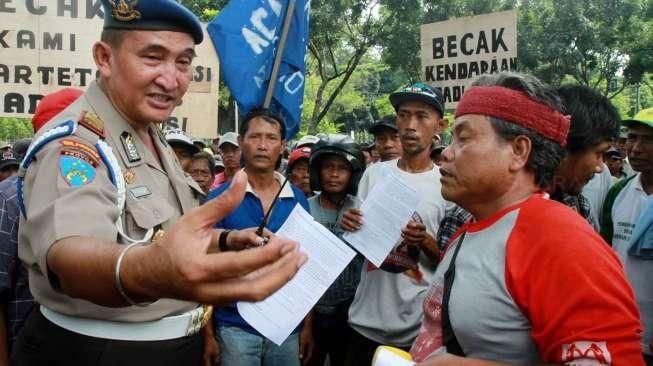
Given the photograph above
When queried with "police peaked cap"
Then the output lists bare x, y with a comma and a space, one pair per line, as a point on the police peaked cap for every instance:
155, 15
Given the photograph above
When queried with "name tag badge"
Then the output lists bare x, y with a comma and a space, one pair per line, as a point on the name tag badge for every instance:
140, 192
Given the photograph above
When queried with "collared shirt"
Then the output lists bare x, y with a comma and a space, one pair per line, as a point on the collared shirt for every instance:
249, 214
157, 194
454, 217
14, 288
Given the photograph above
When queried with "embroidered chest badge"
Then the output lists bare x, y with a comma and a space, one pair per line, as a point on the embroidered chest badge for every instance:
123, 10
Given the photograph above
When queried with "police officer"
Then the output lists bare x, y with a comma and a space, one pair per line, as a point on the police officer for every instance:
119, 256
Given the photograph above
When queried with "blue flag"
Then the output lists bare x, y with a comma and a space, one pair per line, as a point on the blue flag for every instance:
246, 36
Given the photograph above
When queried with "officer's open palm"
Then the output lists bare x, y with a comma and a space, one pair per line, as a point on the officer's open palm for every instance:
219, 278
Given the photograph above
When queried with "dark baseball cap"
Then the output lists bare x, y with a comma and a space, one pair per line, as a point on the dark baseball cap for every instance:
385, 122
418, 92
613, 152
8, 159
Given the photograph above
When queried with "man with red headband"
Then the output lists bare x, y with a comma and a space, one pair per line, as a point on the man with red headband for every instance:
528, 281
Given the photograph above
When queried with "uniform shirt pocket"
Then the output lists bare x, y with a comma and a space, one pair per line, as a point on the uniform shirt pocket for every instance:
145, 212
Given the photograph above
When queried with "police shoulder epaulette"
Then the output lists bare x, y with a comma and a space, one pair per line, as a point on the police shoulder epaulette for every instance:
92, 122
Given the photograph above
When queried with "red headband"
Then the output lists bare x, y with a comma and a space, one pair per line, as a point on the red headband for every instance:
516, 107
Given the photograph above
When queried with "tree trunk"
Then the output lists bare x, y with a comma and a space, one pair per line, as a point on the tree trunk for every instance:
312, 125
320, 111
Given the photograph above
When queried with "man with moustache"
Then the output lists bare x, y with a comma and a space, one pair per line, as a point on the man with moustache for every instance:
118, 253
261, 139
594, 126
622, 210
511, 287
387, 306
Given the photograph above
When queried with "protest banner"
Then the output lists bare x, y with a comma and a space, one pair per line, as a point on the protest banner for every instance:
45, 45
456, 52
263, 69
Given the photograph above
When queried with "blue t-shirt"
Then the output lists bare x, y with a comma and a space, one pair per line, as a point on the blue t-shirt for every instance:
247, 215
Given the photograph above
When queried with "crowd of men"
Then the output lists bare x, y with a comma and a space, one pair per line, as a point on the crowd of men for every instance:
124, 243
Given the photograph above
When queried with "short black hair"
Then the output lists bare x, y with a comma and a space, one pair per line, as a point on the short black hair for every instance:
593, 117
266, 115
208, 157
546, 154
113, 37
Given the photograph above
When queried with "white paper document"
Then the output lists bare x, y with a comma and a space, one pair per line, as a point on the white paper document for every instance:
278, 315
386, 211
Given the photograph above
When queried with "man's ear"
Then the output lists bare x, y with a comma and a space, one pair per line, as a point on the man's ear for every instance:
103, 56
521, 151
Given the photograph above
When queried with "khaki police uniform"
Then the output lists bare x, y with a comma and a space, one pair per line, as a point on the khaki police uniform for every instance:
156, 196
88, 174
62, 200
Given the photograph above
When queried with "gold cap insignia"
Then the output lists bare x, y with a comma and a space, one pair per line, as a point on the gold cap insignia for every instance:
124, 11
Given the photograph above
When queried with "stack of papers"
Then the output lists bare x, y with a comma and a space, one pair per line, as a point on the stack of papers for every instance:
386, 211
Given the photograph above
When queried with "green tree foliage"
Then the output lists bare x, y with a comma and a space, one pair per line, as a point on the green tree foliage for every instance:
205, 9
12, 128
342, 32
588, 41
361, 50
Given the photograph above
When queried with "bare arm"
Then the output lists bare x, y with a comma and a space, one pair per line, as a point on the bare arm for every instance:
177, 265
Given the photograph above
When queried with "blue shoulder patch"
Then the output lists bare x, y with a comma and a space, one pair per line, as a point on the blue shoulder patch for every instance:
75, 171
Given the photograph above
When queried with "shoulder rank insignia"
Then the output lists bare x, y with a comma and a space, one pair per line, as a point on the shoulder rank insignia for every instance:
91, 121
129, 145
123, 10
77, 164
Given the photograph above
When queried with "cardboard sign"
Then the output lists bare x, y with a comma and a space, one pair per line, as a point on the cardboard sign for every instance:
45, 45
458, 51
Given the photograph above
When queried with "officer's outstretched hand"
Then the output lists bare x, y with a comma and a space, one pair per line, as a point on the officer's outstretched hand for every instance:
181, 268
352, 220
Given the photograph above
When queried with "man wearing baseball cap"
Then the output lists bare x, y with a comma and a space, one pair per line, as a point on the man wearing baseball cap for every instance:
386, 138
182, 144
622, 211
8, 164
387, 307
527, 281
230, 152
